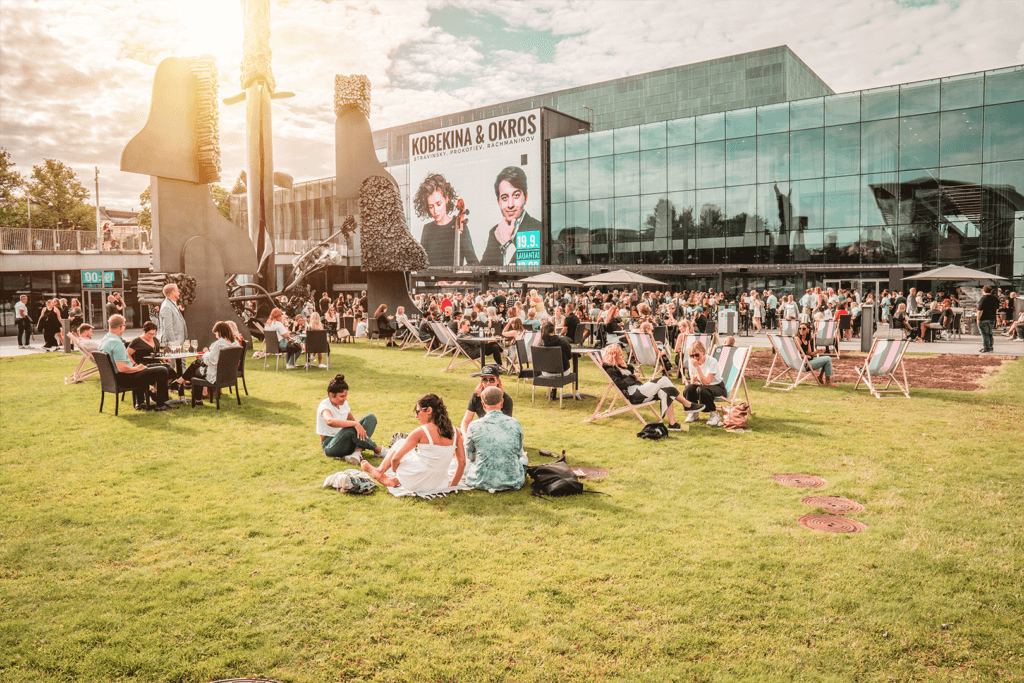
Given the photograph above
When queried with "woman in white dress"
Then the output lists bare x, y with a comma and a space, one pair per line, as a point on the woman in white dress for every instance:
422, 463
756, 309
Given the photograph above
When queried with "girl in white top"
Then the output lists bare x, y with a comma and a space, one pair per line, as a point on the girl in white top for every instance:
431, 459
341, 435
707, 384
211, 355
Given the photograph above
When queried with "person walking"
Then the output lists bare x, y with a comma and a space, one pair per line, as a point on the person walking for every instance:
23, 321
987, 307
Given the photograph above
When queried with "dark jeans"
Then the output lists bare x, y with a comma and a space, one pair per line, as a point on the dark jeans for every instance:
704, 394
24, 331
154, 374
985, 327
347, 441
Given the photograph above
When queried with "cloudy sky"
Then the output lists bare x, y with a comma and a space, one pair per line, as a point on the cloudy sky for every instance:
75, 76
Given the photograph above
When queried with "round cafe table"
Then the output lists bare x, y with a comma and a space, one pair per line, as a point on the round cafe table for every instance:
179, 365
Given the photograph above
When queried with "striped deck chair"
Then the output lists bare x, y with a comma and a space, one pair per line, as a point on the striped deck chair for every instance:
788, 327
458, 351
412, 337
793, 370
826, 336
442, 344
684, 349
613, 393
885, 359
86, 367
732, 362
645, 352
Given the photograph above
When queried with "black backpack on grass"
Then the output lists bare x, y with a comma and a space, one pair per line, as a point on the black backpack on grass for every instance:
653, 430
555, 479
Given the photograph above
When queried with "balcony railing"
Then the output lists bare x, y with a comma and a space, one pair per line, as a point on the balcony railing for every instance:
31, 239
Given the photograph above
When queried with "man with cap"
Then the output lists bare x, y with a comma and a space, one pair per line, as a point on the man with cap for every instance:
490, 376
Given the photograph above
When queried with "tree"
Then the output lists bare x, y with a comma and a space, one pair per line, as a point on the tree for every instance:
221, 199
146, 213
240, 184
13, 210
54, 188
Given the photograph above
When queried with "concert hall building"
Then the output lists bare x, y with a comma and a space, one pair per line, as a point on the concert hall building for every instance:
743, 172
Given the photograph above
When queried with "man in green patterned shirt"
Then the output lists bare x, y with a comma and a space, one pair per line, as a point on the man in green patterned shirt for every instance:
494, 446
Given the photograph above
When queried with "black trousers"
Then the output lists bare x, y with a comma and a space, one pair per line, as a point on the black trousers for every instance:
24, 331
153, 374
704, 394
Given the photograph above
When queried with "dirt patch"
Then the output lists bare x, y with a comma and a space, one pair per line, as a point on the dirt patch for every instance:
945, 371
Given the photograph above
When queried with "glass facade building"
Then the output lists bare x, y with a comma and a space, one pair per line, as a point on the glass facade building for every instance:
921, 173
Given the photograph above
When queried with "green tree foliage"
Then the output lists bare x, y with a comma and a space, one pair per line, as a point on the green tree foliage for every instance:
145, 213
240, 184
13, 211
220, 198
60, 198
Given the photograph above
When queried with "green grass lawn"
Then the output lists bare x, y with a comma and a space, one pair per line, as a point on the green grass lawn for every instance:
198, 545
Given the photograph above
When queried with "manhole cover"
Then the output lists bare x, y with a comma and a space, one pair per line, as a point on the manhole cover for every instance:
800, 481
833, 504
590, 472
832, 524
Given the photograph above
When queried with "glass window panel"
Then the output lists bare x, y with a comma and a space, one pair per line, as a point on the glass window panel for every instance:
842, 202
880, 103
684, 222
1003, 235
772, 157
807, 153
627, 229
577, 214
807, 114
842, 149
1004, 132
710, 127
879, 199
681, 172
627, 139
960, 92
557, 220
878, 244
655, 226
742, 224
627, 174
1004, 85
711, 164
602, 177
602, 218
710, 223
773, 118
577, 147
840, 109
960, 207
960, 141
652, 135
652, 171
741, 123
602, 143
577, 179
681, 132
558, 182
807, 200
919, 141
556, 149
962, 174
918, 176
919, 98
879, 146
809, 246
842, 245
741, 161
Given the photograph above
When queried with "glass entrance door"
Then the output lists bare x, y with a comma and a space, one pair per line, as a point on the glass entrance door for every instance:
94, 301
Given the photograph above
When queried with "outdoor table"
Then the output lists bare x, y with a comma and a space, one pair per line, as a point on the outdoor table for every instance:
480, 343
179, 366
578, 351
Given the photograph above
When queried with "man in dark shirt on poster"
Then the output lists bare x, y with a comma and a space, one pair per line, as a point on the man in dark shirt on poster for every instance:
510, 189
490, 376
987, 307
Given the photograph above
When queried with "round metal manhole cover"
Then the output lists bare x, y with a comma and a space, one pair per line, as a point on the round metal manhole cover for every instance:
834, 504
590, 473
800, 481
832, 524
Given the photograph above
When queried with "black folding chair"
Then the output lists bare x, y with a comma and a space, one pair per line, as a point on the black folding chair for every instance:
272, 348
227, 375
548, 359
317, 342
108, 380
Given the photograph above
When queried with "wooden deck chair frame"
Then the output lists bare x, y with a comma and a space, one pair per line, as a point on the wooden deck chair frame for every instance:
890, 357
826, 333
459, 351
413, 339
614, 394
737, 380
439, 346
645, 351
86, 367
793, 371
684, 348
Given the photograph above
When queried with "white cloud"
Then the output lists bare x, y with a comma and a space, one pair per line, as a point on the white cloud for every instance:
76, 77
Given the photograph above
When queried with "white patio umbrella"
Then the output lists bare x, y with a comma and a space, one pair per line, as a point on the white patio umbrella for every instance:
621, 277
954, 273
552, 279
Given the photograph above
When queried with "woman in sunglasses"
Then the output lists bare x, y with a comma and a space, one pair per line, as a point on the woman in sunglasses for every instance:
816, 361
624, 376
431, 459
705, 384
489, 377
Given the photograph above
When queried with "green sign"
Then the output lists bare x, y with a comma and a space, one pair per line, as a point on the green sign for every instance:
97, 279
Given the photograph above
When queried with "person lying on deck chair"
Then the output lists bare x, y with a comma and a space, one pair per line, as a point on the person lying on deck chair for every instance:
614, 363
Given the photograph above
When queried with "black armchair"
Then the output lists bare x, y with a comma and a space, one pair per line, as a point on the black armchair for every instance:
227, 375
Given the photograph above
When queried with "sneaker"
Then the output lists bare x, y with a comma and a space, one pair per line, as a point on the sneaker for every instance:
675, 427
354, 459
288, 366
715, 420
323, 366
692, 417
383, 452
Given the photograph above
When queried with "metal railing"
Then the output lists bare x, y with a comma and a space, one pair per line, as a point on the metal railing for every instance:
31, 239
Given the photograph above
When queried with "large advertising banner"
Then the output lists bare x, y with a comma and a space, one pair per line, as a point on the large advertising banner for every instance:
476, 192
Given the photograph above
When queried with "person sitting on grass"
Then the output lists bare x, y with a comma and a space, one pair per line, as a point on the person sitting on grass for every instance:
815, 361
494, 446
341, 435
490, 376
422, 462
705, 384
614, 363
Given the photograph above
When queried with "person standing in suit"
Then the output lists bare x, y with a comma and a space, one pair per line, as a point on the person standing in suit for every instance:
511, 191
172, 323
